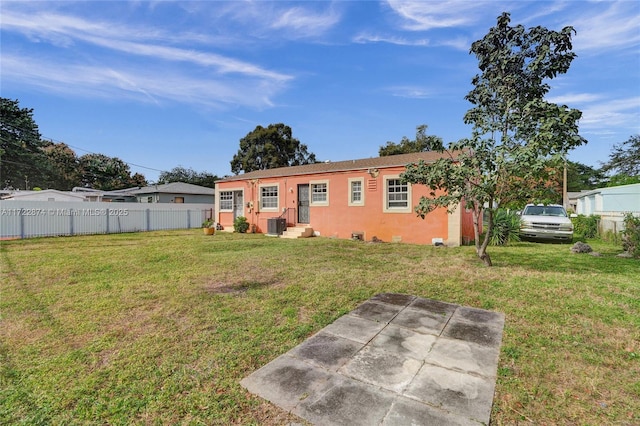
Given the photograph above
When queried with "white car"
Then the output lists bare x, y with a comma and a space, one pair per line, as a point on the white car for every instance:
545, 223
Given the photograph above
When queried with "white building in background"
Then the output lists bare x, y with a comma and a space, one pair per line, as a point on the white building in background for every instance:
611, 204
44, 195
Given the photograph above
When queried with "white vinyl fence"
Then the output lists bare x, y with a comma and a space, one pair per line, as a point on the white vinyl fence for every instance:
25, 219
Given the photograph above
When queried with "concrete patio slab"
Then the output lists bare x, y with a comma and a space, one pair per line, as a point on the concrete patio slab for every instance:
404, 342
326, 350
350, 403
408, 412
380, 368
354, 328
394, 360
464, 394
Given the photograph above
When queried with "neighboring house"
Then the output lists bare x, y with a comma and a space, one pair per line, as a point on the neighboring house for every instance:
610, 204
76, 194
175, 192
346, 199
45, 195
620, 199
572, 200
118, 196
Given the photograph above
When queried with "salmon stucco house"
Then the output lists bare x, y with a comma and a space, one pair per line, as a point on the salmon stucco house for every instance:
362, 199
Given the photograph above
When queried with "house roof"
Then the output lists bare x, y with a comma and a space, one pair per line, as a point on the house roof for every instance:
341, 166
125, 191
175, 188
631, 189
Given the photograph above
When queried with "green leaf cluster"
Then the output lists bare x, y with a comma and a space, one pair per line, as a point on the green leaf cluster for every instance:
422, 142
585, 226
188, 175
625, 158
506, 228
240, 224
22, 160
269, 148
631, 235
516, 131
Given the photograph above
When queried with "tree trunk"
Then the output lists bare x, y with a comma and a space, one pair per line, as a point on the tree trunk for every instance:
482, 248
475, 214
484, 256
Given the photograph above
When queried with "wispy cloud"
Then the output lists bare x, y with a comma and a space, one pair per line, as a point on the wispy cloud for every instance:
304, 22
427, 15
279, 20
66, 30
546, 9
458, 43
600, 110
143, 84
623, 113
574, 98
222, 64
363, 38
613, 25
410, 92
61, 29
216, 79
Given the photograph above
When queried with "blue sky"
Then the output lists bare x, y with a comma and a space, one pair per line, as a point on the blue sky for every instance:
161, 84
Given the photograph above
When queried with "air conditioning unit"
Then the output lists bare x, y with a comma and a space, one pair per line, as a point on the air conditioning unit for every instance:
276, 226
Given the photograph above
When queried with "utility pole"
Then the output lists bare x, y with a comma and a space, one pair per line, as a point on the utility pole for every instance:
565, 201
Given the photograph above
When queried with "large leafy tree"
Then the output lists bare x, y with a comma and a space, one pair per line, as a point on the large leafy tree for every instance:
581, 177
625, 158
63, 166
181, 174
622, 179
515, 130
137, 179
22, 160
422, 142
99, 171
268, 148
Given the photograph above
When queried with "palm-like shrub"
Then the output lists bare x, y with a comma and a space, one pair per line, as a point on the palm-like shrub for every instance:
506, 228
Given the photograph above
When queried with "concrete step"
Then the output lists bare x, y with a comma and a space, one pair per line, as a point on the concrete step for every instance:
298, 232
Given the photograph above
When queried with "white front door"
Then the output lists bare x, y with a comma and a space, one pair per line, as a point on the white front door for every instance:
238, 204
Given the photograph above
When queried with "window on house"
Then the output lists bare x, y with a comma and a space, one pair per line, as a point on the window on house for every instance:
398, 195
269, 197
226, 200
319, 193
356, 193
178, 200
149, 199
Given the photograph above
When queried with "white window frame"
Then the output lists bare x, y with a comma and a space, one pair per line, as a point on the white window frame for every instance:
222, 200
396, 209
316, 183
351, 201
276, 196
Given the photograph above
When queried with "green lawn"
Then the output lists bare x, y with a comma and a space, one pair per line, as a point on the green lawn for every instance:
159, 328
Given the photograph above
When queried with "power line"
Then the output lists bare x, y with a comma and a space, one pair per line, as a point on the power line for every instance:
96, 153
52, 140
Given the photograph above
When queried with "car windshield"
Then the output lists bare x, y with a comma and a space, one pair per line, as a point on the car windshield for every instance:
544, 211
